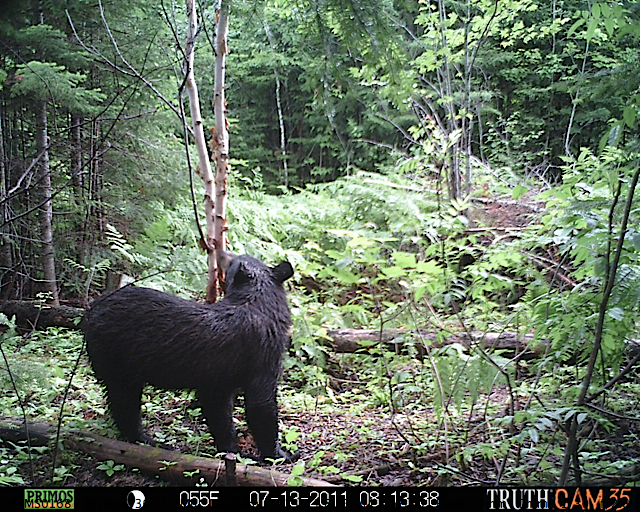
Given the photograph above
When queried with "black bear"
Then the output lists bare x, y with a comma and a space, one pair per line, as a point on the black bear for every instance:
138, 335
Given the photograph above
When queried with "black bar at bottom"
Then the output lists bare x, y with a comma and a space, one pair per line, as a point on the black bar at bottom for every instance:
469, 499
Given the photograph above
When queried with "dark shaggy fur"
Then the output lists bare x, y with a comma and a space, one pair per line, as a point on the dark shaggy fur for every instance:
137, 335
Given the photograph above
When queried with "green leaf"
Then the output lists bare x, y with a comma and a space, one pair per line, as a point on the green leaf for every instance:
591, 29
298, 469
394, 271
616, 313
295, 481
610, 25
519, 191
359, 241
291, 436
614, 136
428, 267
334, 255
575, 26
629, 115
404, 259
347, 277
48, 81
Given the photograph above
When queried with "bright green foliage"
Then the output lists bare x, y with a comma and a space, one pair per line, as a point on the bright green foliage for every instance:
9, 472
552, 76
582, 224
297, 470
379, 101
28, 375
42, 72
110, 467
312, 49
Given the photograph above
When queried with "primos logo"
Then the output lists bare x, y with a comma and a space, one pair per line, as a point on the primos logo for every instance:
49, 498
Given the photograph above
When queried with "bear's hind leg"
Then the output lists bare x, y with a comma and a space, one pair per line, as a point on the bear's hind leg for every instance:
218, 410
124, 402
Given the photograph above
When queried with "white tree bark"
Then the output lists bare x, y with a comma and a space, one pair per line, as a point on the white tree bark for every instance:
220, 139
201, 145
283, 138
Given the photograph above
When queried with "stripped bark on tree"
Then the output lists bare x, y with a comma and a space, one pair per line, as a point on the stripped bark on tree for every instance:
220, 134
201, 145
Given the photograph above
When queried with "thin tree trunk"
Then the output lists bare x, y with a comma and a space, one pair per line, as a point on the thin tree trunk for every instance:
98, 214
203, 157
46, 208
574, 100
466, 121
89, 188
6, 260
612, 268
446, 76
283, 138
220, 142
94, 220
76, 155
480, 134
75, 144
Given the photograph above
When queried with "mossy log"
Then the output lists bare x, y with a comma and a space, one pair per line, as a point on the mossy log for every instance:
169, 465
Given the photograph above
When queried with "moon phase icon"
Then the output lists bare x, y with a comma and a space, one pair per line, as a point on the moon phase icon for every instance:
135, 500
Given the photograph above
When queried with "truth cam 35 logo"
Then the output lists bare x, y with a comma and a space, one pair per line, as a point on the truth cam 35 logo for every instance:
570, 499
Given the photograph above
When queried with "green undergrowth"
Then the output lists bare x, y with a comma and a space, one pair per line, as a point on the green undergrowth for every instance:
380, 252
375, 403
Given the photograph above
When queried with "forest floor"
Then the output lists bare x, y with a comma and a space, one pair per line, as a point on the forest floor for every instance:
346, 438
337, 440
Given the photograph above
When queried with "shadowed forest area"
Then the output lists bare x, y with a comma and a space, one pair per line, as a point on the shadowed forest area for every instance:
453, 182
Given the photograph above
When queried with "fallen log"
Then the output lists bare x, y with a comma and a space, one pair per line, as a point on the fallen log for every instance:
38, 315
35, 314
172, 466
349, 340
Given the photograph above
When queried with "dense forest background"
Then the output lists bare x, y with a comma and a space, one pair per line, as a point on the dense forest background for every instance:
451, 167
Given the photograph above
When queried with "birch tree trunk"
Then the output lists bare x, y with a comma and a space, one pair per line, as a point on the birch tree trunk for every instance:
283, 138
46, 208
203, 157
220, 139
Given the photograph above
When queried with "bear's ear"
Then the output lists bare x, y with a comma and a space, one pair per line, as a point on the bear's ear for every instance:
283, 271
242, 274
224, 259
